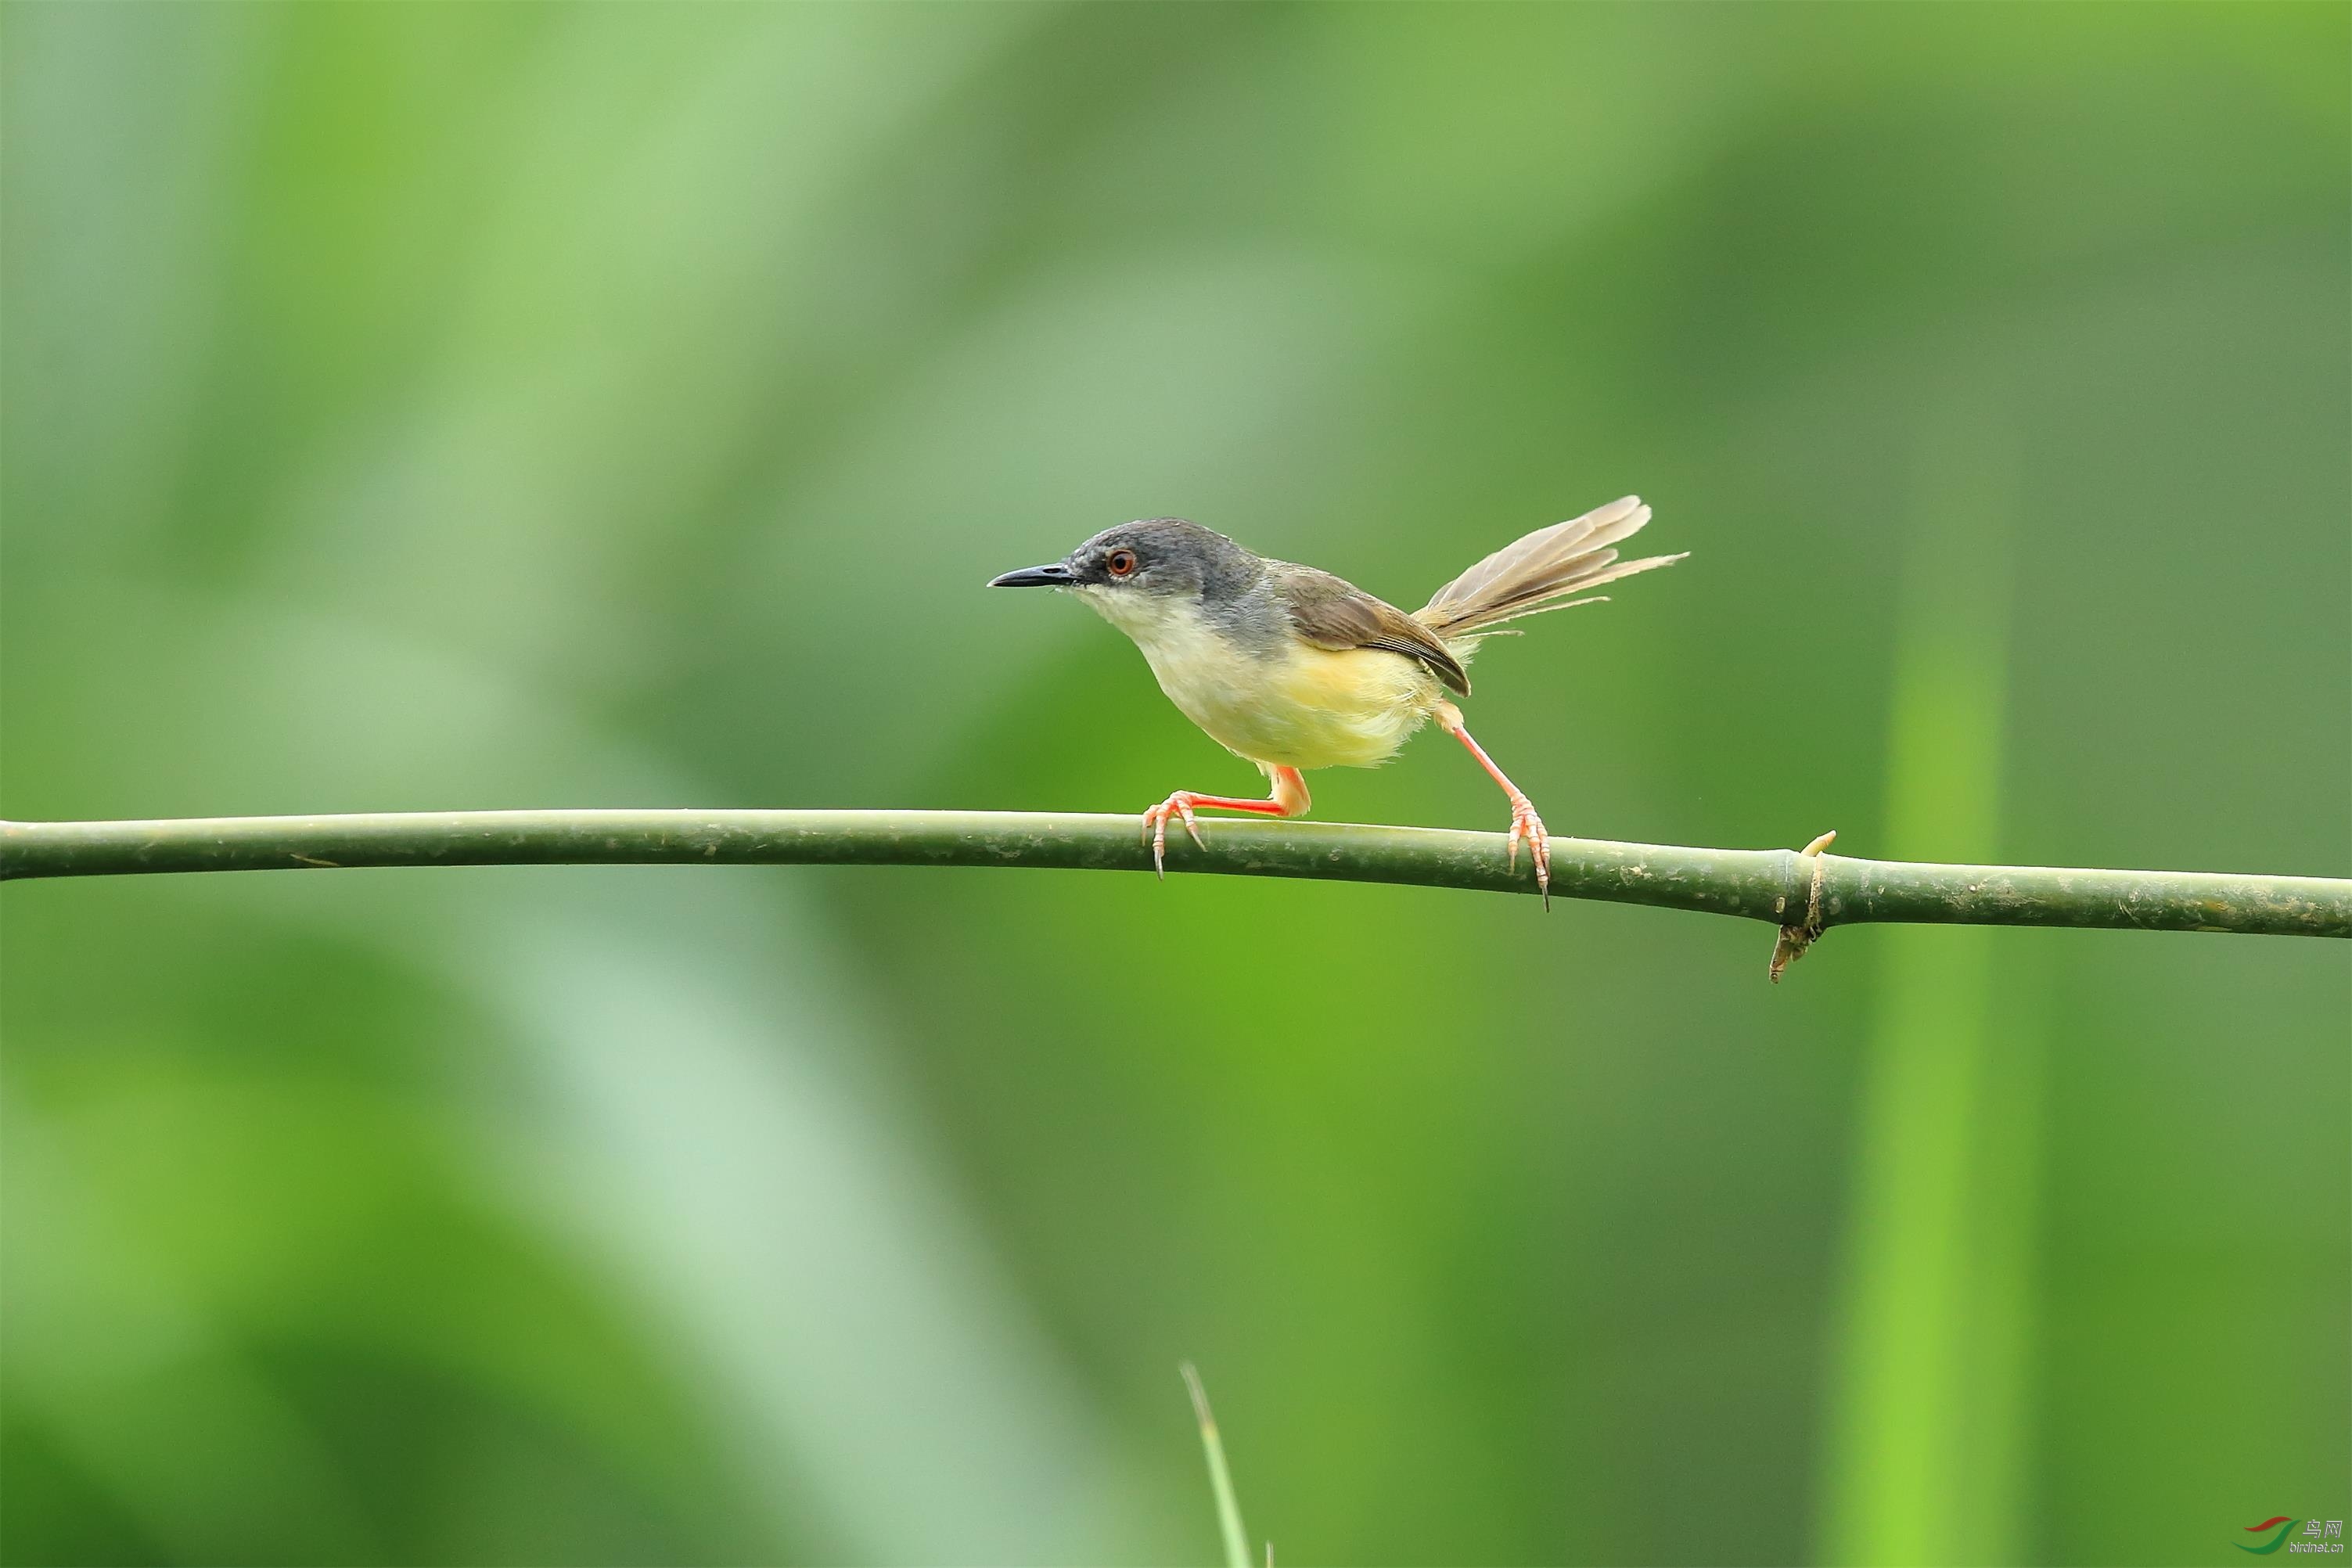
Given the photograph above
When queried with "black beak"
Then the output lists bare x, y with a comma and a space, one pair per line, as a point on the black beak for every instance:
1054, 577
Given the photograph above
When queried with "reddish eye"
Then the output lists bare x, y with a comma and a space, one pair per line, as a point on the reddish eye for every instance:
1120, 563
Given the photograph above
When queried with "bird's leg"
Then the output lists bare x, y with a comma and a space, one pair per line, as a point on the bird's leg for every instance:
1525, 823
1289, 799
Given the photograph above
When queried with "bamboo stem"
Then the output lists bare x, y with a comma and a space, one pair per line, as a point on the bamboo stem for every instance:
1776, 886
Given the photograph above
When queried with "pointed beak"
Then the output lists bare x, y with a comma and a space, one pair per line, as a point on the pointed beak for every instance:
1054, 577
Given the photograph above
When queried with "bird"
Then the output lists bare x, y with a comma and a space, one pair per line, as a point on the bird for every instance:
1295, 669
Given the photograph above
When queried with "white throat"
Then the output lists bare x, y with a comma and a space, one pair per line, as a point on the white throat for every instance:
1172, 622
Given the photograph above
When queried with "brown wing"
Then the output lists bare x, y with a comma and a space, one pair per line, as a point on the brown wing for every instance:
1330, 613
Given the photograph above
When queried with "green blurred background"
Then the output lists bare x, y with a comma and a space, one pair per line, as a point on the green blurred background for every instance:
436, 407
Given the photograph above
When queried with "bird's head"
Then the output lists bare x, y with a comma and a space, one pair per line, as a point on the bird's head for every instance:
1141, 572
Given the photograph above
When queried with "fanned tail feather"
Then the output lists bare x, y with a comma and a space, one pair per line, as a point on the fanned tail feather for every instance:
1542, 572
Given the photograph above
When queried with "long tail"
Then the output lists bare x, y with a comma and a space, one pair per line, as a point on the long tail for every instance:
1542, 571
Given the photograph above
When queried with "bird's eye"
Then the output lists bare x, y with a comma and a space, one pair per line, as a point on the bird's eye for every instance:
1120, 563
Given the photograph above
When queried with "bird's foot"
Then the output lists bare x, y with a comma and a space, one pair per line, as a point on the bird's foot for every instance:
1527, 824
1155, 826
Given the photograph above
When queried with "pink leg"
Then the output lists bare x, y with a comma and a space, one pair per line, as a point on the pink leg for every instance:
1525, 823
1290, 799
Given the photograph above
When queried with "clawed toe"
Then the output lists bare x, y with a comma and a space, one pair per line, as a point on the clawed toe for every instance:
1525, 823
1155, 828
1289, 799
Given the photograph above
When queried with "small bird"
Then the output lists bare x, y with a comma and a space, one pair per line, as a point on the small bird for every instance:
1294, 669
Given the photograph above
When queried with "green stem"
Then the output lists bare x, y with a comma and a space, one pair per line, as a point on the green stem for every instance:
1221, 1480
1770, 885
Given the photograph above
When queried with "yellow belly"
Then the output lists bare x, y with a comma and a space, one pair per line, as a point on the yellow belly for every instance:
1307, 707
